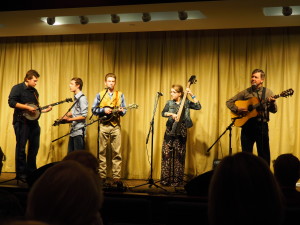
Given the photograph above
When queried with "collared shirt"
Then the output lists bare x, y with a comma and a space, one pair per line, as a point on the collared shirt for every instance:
20, 93
249, 93
100, 111
79, 109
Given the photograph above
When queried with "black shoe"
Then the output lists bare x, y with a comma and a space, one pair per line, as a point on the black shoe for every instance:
118, 183
22, 177
106, 183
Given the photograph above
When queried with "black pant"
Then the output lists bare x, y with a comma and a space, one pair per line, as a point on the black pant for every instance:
26, 131
256, 131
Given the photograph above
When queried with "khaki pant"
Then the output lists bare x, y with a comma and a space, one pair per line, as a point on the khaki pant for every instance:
112, 134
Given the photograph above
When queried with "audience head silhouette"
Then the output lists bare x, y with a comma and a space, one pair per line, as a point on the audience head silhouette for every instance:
10, 207
85, 158
287, 170
244, 191
65, 194
26, 222
89, 161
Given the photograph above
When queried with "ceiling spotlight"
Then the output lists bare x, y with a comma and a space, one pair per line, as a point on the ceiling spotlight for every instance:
50, 20
182, 15
115, 18
84, 19
287, 11
146, 17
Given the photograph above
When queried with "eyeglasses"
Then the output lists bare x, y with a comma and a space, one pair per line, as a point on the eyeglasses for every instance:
174, 92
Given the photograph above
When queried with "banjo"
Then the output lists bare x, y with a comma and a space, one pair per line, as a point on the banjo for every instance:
37, 113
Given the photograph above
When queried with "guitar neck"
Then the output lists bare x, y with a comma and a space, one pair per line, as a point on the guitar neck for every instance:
53, 104
116, 108
264, 101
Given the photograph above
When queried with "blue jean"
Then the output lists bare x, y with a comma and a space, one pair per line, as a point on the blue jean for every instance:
76, 143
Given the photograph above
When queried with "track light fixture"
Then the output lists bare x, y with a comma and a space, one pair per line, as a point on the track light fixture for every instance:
50, 20
287, 11
146, 17
84, 19
182, 15
115, 18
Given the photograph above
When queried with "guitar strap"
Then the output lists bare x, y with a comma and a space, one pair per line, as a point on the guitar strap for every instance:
75, 103
70, 108
263, 98
262, 110
116, 99
263, 93
37, 99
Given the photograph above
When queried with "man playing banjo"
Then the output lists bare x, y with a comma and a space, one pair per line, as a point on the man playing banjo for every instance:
26, 129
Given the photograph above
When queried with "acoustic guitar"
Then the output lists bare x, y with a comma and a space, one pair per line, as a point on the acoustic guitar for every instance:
177, 122
252, 104
37, 113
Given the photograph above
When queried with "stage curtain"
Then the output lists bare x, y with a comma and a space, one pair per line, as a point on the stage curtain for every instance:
145, 63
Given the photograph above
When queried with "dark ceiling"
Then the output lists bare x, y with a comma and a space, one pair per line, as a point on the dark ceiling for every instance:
25, 18
59, 4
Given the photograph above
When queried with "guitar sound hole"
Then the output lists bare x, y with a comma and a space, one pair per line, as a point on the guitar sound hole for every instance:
250, 108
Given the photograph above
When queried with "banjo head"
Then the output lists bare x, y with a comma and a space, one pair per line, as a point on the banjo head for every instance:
32, 115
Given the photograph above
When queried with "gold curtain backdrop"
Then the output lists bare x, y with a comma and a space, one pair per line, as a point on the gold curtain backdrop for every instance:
146, 63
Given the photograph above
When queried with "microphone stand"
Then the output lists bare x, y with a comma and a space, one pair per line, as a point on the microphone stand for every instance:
57, 122
98, 120
77, 129
98, 129
230, 134
151, 130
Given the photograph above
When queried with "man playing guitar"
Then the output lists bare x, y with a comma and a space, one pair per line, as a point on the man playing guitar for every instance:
25, 129
77, 116
255, 129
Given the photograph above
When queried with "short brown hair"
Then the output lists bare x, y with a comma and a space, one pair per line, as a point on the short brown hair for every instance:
30, 74
110, 75
262, 73
78, 81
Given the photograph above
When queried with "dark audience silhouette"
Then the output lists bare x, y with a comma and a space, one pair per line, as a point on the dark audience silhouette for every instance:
10, 207
287, 173
65, 194
244, 191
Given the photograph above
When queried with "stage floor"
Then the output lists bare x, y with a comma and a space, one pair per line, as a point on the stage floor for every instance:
8, 180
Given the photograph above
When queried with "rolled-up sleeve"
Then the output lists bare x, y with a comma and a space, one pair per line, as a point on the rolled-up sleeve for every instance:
96, 110
13, 97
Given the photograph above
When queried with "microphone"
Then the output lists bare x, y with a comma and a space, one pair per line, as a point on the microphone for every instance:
160, 94
254, 86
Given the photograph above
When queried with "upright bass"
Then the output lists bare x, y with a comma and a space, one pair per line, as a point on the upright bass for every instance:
178, 120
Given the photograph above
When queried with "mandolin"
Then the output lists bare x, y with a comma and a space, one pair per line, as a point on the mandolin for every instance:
115, 112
